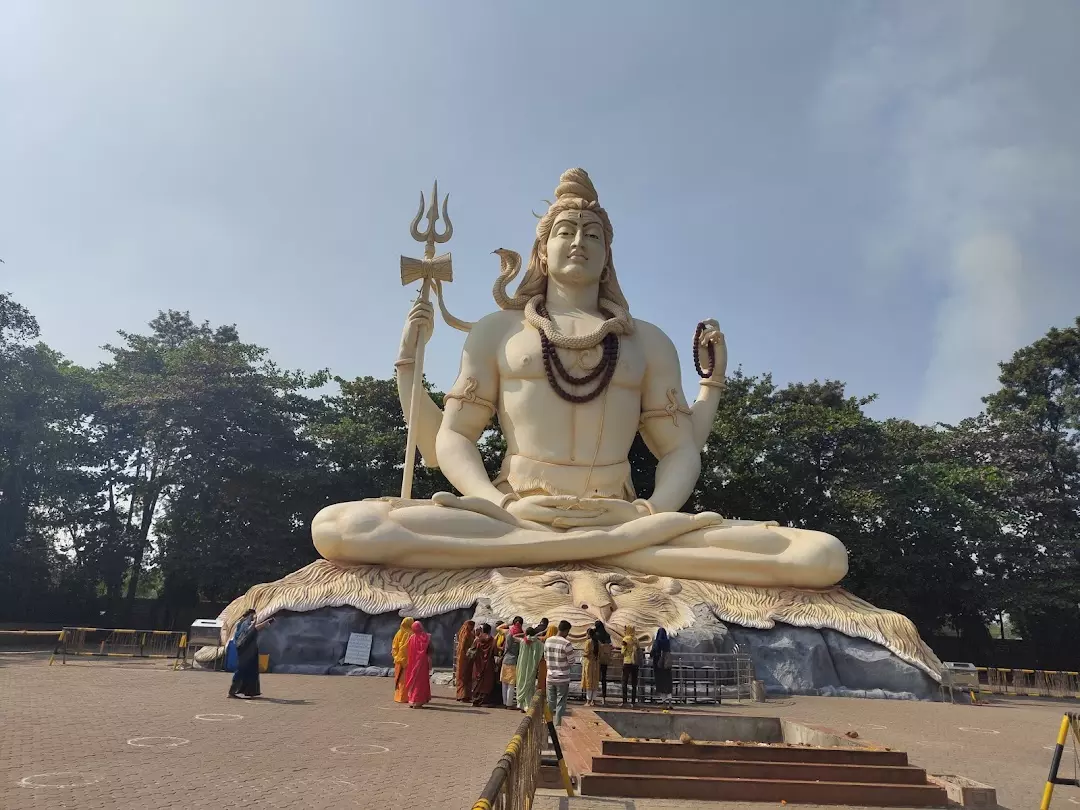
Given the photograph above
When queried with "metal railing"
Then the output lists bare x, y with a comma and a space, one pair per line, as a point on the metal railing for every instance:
113, 643
512, 784
1029, 682
695, 678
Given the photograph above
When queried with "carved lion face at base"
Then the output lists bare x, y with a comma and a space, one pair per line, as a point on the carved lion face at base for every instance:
582, 594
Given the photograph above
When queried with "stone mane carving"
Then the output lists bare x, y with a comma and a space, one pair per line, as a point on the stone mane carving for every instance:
616, 596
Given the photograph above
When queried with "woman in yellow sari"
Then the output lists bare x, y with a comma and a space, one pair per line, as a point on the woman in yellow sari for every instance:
590, 668
400, 650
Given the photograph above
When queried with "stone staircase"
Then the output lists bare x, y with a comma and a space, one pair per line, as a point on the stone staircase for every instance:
765, 773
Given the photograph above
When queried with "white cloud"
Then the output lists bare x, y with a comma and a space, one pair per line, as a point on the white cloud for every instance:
973, 167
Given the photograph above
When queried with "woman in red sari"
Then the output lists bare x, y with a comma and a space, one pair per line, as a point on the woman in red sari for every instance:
483, 655
418, 673
463, 663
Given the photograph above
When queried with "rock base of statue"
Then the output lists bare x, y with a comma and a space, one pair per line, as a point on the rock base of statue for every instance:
824, 642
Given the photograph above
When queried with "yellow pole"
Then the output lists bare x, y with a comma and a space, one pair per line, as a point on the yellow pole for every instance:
564, 772
59, 640
1048, 791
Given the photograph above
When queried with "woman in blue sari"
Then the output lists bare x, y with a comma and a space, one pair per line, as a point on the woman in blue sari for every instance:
245, 681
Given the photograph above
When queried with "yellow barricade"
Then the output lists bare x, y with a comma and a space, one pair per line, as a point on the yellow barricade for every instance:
1029, 682
106, 642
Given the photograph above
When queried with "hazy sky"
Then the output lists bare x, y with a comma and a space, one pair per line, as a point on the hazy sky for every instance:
884, 193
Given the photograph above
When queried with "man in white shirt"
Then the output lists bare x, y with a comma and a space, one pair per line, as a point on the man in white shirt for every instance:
560, 655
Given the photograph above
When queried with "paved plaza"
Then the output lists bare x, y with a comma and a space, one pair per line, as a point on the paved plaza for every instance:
98, 734
143, 736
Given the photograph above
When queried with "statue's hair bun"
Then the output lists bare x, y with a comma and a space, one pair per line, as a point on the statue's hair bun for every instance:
576, 183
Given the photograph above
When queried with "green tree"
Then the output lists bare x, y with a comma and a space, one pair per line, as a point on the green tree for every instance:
1032, 432
43, 404
201, 431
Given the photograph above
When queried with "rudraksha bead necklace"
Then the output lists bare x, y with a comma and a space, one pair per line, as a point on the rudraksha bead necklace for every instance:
601, 374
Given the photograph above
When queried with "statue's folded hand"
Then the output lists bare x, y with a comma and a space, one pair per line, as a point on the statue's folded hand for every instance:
482, 506
549, 510
595, 513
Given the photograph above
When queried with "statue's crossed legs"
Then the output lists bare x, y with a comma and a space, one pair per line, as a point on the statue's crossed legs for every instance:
449, 532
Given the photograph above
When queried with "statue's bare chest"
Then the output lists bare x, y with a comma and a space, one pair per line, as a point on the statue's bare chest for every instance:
521, 357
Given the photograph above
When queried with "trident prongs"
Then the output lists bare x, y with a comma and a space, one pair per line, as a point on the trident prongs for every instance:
429, 236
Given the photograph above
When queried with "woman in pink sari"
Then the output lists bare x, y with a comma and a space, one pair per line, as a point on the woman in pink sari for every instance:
418, 672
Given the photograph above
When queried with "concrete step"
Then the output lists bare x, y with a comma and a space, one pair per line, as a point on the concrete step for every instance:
800, 771
752, 753
777, 790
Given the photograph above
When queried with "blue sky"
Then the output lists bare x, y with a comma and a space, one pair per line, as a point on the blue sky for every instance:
883, 193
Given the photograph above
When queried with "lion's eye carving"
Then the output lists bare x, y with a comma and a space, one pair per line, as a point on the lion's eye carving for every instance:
618, 588
559, 586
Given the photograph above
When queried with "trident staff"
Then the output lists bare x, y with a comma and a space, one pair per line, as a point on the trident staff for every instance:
430, 270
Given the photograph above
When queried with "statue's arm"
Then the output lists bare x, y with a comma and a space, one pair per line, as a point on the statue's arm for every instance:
419, 324
470, 405
428, 415
667, 426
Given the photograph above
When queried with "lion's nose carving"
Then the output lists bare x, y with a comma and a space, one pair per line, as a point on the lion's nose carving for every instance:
584, 607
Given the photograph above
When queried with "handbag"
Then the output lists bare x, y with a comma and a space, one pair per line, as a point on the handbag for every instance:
605, 655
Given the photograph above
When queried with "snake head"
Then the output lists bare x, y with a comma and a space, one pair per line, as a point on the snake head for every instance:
509, 261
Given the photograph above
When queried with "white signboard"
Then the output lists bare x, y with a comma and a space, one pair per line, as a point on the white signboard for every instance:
358, 652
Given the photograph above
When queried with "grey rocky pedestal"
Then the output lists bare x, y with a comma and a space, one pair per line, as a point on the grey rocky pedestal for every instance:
789, 660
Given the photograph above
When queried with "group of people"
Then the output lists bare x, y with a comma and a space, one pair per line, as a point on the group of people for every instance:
501, 668
599, 653
507, 667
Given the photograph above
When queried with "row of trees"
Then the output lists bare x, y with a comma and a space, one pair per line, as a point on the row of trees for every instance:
188, 467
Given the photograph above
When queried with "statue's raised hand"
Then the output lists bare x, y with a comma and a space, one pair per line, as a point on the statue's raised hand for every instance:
712, 336
420, 321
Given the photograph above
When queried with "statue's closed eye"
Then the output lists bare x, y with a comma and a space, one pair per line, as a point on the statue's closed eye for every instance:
559, 586
618, 587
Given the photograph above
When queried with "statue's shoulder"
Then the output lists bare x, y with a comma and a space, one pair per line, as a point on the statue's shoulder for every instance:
651, 336
498, 325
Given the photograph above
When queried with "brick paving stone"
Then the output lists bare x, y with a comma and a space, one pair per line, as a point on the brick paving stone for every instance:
79, 718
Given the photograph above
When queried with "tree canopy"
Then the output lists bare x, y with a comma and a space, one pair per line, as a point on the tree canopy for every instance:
188, 467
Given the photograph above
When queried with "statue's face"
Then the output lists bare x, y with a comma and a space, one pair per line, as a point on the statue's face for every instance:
581, 597
576, 251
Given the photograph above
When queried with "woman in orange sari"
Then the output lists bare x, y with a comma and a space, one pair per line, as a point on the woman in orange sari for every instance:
400, 650
463, 664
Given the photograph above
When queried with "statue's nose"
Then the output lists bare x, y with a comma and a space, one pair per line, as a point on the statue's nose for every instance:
593, 598
602, 612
